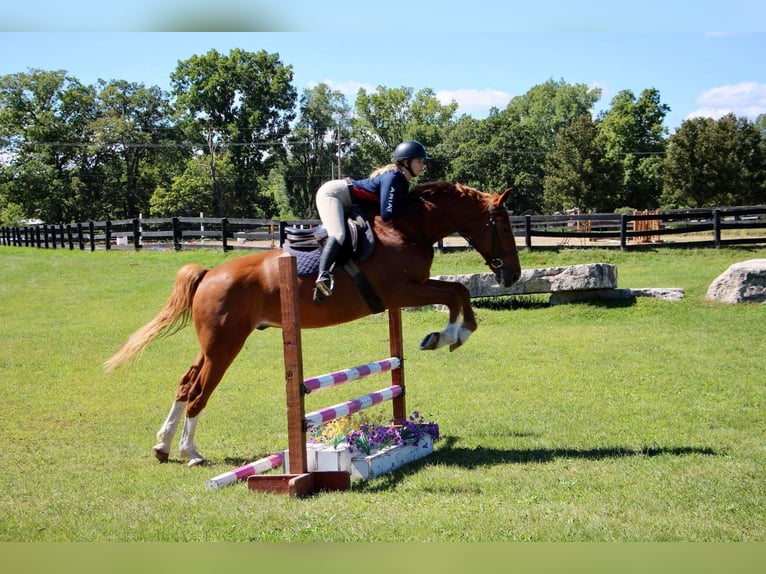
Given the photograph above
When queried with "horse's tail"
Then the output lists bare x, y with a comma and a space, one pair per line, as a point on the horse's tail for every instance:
173, 316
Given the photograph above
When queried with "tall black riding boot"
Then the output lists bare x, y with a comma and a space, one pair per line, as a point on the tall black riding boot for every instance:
325, 281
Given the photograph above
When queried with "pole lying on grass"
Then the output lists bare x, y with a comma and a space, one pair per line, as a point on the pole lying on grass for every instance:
249, 469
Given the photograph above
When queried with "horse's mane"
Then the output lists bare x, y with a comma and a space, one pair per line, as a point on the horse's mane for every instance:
434, 189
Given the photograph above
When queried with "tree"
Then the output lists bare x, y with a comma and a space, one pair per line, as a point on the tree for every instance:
131, 133
388, 117
635, 136
578, 172
241, 106
715, 162
486, 154
316, 145
44, 126
508, 148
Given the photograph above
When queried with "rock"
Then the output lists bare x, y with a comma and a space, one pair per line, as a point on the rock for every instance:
667, 293
548, 280
743, 282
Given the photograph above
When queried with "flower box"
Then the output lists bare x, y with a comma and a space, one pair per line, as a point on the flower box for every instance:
389, 459
322, 457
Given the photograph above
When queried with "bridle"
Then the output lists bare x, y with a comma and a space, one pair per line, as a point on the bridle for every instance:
496, 214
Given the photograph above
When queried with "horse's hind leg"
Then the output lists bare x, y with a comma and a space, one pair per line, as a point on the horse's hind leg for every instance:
168, 430
194, 390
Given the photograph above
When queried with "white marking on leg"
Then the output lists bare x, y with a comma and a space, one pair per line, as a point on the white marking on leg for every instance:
451, 332
187, 442
168, 429
448, 335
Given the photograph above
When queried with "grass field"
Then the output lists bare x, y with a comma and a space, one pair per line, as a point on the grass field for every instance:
583, 422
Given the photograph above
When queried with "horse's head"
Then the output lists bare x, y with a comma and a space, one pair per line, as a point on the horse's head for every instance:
497, 244
479, 217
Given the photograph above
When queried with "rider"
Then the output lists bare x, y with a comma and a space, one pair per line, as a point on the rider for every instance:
387, 186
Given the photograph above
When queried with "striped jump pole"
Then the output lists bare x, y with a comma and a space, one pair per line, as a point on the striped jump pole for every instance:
316, 418
352, 374
249, 469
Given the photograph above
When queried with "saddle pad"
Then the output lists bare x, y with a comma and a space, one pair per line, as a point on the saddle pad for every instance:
307, 262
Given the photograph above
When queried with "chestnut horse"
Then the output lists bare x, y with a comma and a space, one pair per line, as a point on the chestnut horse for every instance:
228, 302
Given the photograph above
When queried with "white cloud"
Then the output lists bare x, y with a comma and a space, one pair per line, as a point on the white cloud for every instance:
746, 99
475, 102
349, 88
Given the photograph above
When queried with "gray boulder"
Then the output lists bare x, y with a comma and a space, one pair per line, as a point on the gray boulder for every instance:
743, 282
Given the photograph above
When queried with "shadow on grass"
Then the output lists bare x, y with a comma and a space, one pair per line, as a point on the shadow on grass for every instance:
513, 302
447, 454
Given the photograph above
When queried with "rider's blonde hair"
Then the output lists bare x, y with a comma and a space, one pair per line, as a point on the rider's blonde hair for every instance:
384, 169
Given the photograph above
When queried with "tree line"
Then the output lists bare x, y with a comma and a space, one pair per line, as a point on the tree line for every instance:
233, 138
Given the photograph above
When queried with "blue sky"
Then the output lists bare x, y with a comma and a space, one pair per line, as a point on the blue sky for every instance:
708, 60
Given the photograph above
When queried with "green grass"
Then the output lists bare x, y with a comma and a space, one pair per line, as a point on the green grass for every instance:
585, 422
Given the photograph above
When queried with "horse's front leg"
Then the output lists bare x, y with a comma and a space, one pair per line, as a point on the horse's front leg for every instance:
456, 298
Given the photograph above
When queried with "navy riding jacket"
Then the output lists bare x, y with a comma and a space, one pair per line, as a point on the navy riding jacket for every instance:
389, 189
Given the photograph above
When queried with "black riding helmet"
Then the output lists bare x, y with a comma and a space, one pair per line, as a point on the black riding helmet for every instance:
406, 151
409, 150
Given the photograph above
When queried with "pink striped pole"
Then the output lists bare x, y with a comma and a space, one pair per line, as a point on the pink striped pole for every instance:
328, 414
255, 467
352, 374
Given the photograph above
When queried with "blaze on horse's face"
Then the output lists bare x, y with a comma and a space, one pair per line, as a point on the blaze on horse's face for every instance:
503, 258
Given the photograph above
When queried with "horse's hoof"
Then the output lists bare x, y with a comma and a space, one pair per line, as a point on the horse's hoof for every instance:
454, 346
197, 461
161, 455
430, 342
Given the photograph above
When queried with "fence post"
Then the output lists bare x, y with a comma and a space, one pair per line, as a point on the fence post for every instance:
176, 234
136, 235
528, 232
45, 235
623, 231
108, 234
92, 232
717, 227
224, 233
282, 233
69, 236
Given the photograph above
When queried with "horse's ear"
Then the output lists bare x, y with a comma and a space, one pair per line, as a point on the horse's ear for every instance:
504, 196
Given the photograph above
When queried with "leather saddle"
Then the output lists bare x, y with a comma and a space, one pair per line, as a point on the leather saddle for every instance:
308, 243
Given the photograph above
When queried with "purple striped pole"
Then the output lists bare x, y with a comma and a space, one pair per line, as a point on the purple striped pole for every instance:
328, 414
352, 374
255, 467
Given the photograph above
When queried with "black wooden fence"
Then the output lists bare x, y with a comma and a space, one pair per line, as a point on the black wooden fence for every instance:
691, 227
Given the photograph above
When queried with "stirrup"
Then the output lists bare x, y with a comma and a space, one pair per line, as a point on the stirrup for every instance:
325, 284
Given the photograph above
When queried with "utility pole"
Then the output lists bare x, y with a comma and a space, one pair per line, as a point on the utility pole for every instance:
339, 150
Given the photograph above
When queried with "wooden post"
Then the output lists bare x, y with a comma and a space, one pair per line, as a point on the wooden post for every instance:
397, 350
291, 339
299, 482
528, 232
623, 231
108, 234
717, 228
